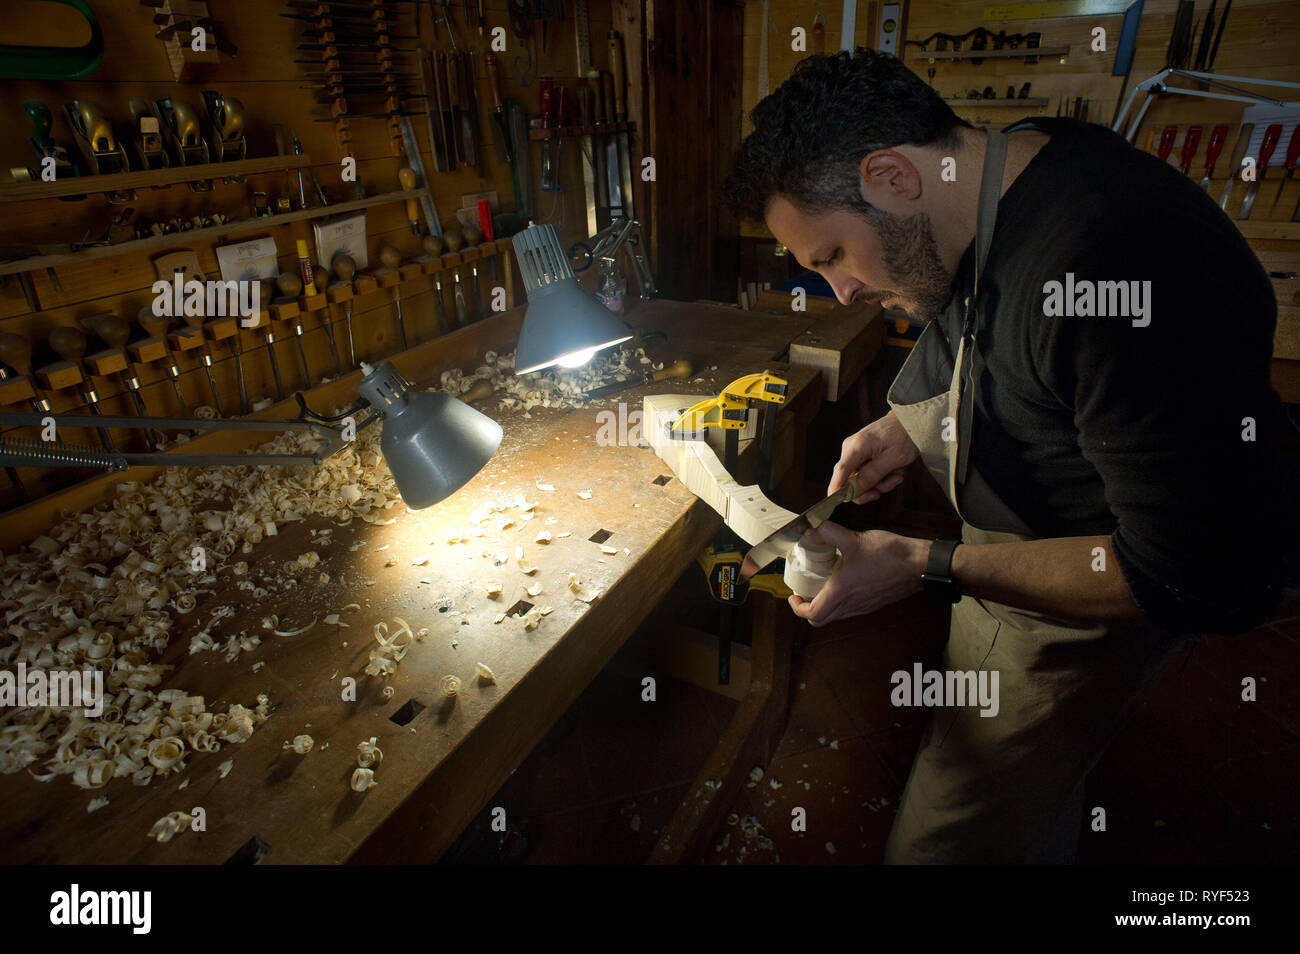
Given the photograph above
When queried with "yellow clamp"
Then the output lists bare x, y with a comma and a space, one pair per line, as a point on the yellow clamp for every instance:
730, 409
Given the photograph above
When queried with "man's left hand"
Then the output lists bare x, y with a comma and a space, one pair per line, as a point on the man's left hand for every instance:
878, 568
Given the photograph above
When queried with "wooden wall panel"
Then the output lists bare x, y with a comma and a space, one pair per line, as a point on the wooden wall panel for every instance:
270, 85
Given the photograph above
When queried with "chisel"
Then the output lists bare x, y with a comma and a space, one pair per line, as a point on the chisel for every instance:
678, 369
1217, 137
155, 326
115, 332
1271, 136
462, 313
1292, 156
1238, 153
302, 354
428, 87
443, 324
1191, 140
500, 135
1166, 146
70, 345
476, 302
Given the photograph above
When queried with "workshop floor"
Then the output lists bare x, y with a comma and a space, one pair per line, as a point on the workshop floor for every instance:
1198, 776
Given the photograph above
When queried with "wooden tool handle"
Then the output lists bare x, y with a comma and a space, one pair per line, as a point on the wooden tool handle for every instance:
16, 351
681, 368
112, 329
619, 70
406, 176
494, 79
155, 326
68, 343
853, 488
483, 388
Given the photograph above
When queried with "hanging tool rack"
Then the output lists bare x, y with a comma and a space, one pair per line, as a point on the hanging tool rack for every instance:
359, 75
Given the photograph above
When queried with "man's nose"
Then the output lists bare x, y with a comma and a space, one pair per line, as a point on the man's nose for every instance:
844, 287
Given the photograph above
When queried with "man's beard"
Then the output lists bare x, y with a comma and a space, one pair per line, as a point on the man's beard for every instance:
911, 254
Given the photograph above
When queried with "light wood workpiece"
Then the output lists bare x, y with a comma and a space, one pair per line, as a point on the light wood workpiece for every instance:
439, 770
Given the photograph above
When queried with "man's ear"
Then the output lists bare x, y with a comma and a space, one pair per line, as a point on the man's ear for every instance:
887, 176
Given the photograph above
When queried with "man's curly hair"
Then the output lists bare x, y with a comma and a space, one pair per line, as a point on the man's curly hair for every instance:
811, 134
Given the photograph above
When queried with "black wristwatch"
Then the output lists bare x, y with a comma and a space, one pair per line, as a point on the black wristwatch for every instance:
937, 579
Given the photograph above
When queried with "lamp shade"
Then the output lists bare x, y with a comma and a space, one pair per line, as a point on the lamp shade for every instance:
563, 325
433, 443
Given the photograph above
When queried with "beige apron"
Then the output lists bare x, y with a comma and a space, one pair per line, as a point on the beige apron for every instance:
1006, 788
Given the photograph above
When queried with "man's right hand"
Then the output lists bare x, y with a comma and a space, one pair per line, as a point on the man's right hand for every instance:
879, 453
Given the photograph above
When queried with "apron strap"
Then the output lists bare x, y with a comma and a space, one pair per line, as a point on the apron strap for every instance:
986, 217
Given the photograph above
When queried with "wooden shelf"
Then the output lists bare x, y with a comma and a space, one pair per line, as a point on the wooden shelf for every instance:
217, 232
568, 132
991, 54
1268, 229
1027, 101
147, 179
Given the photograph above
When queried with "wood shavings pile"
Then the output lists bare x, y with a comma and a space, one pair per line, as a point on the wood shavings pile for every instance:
556, 387
102, 589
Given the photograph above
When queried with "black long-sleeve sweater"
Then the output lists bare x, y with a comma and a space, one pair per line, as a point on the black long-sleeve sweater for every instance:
1092, 425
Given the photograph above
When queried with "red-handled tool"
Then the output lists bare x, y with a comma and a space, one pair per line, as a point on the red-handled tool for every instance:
1271, 136
1167, 143
1190, 141
1218, 136
1292, 157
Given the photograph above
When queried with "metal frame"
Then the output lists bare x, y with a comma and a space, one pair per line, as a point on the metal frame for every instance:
1158, 84
606, 243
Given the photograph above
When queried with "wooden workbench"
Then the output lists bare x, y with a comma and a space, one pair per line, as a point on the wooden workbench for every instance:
439, 770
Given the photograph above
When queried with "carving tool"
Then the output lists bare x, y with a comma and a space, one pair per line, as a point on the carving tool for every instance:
1217, 137
476, 303
500, 135
613, 165
585, 110
546, 90
1238, 153
443, 324
680, 368
16, 352
70, 345
1218, 35
442, 89
1271, 136
1292, 156
428, 86
618, 66
115, 332
1191, 140
421, 180
778, 544
155, 326
475, 133
1166, 146
195, 322
302, 352
462, 313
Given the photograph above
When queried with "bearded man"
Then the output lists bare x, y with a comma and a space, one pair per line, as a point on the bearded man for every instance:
1091, 390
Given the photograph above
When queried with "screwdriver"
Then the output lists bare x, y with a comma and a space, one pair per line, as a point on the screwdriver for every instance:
1190, 142
1271, 135
1218, 136
1292, 156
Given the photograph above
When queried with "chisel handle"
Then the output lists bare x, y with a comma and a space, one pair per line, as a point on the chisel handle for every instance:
1218, 136
1271, 136
1190, 141
680, 368
16, 351
1293, 148
1167, 143
494, 79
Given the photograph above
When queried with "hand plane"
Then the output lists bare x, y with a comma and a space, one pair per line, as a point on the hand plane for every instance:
146, 135
180, 125
226, 114
94, 134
